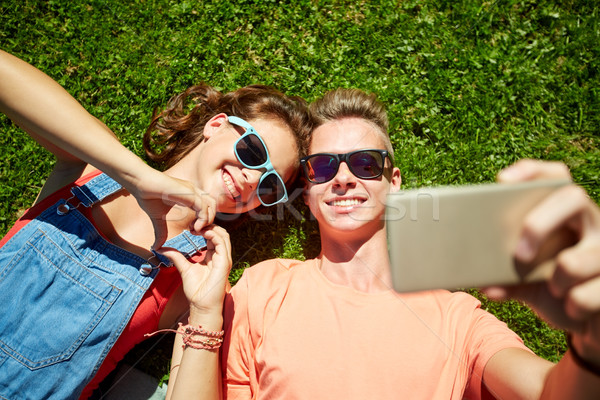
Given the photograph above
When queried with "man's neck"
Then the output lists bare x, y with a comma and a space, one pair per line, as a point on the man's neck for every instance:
362, 263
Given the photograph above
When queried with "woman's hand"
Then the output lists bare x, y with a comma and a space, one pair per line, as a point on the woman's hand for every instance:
205, 283
159, 193
564, 228
196, 373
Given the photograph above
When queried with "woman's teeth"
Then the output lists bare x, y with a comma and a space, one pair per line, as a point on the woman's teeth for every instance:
230, 186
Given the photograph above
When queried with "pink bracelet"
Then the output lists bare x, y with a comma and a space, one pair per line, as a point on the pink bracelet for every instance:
212, 341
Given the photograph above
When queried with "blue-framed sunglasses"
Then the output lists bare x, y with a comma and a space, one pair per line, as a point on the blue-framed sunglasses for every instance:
252, 152
364, 164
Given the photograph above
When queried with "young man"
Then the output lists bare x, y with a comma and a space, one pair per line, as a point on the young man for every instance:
332, 328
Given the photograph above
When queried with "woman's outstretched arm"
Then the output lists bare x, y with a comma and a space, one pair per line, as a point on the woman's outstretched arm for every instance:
48, 113
51, 116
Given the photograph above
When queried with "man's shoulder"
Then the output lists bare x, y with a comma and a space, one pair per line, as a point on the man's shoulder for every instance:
267, 278
444, 301
273, 267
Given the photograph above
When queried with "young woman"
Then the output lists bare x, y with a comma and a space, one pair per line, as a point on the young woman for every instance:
332, 327
81, 280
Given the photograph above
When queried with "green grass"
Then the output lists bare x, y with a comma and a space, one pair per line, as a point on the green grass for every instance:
470, 87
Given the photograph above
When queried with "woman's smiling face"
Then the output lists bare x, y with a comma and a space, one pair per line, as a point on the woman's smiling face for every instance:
226, 179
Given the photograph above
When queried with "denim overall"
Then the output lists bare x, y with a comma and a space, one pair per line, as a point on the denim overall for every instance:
66, 294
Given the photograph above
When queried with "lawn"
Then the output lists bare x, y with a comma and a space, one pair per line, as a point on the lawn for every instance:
470, 87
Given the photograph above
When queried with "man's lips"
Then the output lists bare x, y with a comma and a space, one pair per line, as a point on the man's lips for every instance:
230, 184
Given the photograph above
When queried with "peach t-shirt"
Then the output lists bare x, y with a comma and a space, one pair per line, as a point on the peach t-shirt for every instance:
292, 334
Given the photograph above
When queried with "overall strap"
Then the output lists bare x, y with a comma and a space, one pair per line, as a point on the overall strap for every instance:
102, 186
186, 243
96, 190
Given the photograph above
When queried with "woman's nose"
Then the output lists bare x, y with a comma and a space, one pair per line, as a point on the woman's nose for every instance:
252, 177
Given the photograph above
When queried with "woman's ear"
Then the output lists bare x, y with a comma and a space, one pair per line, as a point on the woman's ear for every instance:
214, 124
304, 190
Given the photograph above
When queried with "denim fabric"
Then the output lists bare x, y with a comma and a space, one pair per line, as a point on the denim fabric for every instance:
66, 296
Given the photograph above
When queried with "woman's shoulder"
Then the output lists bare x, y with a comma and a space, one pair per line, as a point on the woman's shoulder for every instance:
65, 174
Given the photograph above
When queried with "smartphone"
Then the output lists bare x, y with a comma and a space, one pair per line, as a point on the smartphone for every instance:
457, 237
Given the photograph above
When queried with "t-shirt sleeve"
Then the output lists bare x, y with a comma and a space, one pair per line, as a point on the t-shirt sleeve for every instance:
487, 336
237, 350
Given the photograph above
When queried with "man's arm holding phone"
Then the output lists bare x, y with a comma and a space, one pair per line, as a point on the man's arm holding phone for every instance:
564, 227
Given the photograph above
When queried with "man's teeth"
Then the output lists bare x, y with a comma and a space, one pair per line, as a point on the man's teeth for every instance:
345, 203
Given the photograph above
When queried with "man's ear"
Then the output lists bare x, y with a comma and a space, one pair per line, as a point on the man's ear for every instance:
214, 124
396, 180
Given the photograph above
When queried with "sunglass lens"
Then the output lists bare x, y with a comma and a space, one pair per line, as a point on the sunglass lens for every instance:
271, 189
366, 164
321, 168
251, 151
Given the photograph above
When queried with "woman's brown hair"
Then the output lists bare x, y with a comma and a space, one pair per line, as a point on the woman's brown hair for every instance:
177, 129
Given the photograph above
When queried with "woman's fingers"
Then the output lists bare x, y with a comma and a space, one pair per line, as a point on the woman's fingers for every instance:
178, 260
161, 232
206, 211
158, 202
219, 246
205, 283
574, 266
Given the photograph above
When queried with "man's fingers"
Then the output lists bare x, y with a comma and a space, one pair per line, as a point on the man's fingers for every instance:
575, 265
583, 301
535, 294
528, 170
555, 216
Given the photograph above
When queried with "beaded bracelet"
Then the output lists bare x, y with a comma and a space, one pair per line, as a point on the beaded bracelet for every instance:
212, 341
581, 362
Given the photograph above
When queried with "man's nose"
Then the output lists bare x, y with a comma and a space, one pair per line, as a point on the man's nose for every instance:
344, 176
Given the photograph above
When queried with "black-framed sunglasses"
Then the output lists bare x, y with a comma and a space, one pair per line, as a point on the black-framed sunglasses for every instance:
251, 151
364, 164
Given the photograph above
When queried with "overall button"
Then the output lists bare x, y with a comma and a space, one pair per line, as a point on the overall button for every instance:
63, 209
146, 269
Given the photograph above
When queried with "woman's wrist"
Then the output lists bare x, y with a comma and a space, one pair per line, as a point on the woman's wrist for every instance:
133, 174
208, 320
